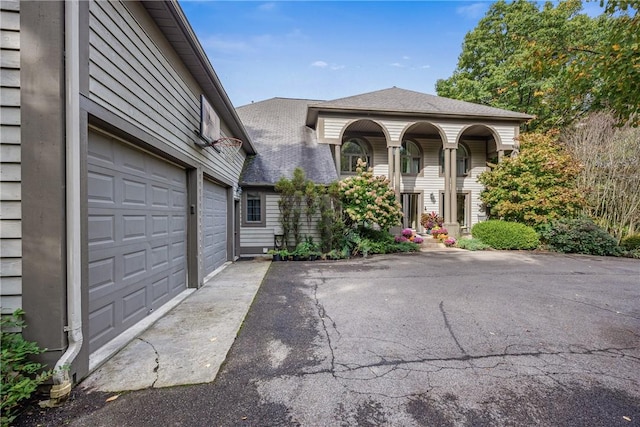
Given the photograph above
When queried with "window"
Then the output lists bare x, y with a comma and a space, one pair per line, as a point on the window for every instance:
254, 205
463, 160
351, 151
410, 158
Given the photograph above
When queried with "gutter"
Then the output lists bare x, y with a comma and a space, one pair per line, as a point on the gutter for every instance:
61, 381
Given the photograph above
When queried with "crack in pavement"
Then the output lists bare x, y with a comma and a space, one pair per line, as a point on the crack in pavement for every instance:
322, 315
157, 367
467, 357
448, 326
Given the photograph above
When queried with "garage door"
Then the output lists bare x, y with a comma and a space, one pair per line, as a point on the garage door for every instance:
137, 232
215, 226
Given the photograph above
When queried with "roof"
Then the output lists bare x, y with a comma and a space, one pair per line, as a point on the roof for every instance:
171, 20
283, 142
396, 101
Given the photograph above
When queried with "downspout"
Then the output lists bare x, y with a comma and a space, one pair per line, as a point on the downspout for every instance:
61, 379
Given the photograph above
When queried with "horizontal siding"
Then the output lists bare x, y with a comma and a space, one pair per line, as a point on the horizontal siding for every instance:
10, 169
140, 79
263, 236
333, 126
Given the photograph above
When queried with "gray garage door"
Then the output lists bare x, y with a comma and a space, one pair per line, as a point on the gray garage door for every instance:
137, 235
215, 226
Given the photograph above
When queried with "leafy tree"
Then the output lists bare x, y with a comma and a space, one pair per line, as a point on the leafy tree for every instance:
536, 186
542, 61
616, 62
368, 200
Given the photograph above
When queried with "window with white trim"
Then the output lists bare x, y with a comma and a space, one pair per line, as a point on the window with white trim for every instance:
410, 158
350, 152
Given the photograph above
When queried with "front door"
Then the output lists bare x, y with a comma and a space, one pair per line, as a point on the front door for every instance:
410, 210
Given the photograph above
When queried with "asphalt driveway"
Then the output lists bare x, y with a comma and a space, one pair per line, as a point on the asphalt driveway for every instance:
431, 339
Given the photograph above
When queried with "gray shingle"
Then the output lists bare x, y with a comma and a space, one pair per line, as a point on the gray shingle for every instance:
283, 142
407, 101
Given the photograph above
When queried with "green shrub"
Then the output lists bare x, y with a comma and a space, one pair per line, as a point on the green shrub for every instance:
580, 236
631, 242
20, 377
505, 235
472, 244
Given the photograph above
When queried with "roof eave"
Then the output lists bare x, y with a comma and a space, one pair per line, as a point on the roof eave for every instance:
315, 110
206, 75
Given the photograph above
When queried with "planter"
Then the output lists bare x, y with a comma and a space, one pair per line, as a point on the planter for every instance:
277, 257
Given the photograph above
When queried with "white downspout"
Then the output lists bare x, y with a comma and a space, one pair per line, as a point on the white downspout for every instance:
61, 380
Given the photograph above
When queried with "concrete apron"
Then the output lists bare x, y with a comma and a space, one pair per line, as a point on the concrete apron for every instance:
189, 344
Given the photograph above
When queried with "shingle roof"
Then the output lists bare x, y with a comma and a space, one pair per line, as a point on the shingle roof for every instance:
396, 100
283, 142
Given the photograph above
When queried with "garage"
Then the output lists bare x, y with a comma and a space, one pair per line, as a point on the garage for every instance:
215, 226
137, 235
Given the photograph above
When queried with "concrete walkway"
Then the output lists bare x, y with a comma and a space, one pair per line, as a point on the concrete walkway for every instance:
189, 344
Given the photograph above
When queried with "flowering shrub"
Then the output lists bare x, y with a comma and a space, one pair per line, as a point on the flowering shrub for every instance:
450, 241
368, 199
418, 240
401, 239
407, 232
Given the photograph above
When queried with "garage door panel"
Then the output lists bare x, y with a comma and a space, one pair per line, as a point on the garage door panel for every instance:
215, 226
137, 226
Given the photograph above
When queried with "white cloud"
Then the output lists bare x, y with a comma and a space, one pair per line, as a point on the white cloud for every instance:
319, 64
267, 6
406, 57
337, 67
424, 67
397, 64
473, 11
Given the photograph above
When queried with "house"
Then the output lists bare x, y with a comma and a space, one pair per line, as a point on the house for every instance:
117, 199
432, 149
113, 205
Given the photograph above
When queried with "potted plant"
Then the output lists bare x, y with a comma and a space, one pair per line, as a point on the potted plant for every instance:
275, 255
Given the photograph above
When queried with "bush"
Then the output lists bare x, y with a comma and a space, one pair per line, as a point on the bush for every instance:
20, 377
580, 236
631, 242
472, 244
505, 235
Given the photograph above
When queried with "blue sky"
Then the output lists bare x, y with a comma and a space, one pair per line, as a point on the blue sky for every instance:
330, 49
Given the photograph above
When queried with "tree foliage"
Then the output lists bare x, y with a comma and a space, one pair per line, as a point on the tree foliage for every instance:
551, 62
536, 186
611, 174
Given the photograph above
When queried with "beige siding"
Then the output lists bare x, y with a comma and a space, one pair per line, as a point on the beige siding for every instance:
333, 127
135, 74
10, 172
262, 237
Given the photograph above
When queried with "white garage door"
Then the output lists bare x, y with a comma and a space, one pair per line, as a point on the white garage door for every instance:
137, 232
215, 226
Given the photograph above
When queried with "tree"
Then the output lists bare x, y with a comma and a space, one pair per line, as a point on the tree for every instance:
536, 186
611, 174
523, 58
616, 63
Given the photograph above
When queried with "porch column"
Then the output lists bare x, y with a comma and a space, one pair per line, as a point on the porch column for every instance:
390, 173
500, 155
396, 171
447, 186
337, 155
451, 192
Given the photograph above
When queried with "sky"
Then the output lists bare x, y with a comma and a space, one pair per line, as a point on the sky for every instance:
325, 50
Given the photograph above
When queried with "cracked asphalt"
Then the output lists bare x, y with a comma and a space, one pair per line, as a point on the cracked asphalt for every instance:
429, 339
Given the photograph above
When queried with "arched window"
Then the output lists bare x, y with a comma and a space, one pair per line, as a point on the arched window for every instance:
410, 158
351, 151
463, 160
